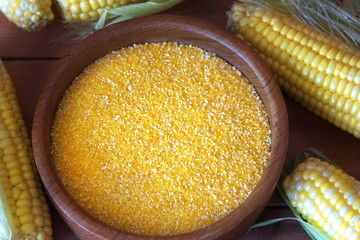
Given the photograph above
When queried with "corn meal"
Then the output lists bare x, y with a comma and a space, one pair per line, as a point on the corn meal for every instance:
160, 138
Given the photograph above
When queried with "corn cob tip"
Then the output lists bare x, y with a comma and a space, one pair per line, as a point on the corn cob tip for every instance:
29, 15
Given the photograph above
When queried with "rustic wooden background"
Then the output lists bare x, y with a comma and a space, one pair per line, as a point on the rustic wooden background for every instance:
30, 57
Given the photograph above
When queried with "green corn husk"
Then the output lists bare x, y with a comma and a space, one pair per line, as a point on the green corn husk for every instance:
134, 10
80, 30
7, 227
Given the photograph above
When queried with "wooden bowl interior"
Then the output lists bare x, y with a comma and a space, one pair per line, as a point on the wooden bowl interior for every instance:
160, 28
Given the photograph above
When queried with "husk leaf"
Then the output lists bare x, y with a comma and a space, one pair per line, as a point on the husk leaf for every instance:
134, 10
7, 227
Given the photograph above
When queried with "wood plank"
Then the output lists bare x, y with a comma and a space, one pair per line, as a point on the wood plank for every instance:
51, 42
17, 43
284, 230
28, 79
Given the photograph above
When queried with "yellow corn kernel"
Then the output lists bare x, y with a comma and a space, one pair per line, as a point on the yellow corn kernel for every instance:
319, 59
27, 228
19, 183
316, 61
303, 53
39, 221
323, 204
309, 57
82, 11
26, 14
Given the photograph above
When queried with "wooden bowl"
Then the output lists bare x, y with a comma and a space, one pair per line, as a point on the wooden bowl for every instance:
160, 28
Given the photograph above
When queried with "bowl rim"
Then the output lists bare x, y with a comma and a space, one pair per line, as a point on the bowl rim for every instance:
240, 53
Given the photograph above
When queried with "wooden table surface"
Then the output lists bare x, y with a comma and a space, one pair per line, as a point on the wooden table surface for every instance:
30, 57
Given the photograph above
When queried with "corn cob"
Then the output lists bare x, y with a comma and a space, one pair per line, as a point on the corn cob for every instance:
315, 69
18, 174
87, 10
28, 14
326, 197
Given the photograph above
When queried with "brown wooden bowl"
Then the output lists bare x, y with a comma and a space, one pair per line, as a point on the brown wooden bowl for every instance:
160, 28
